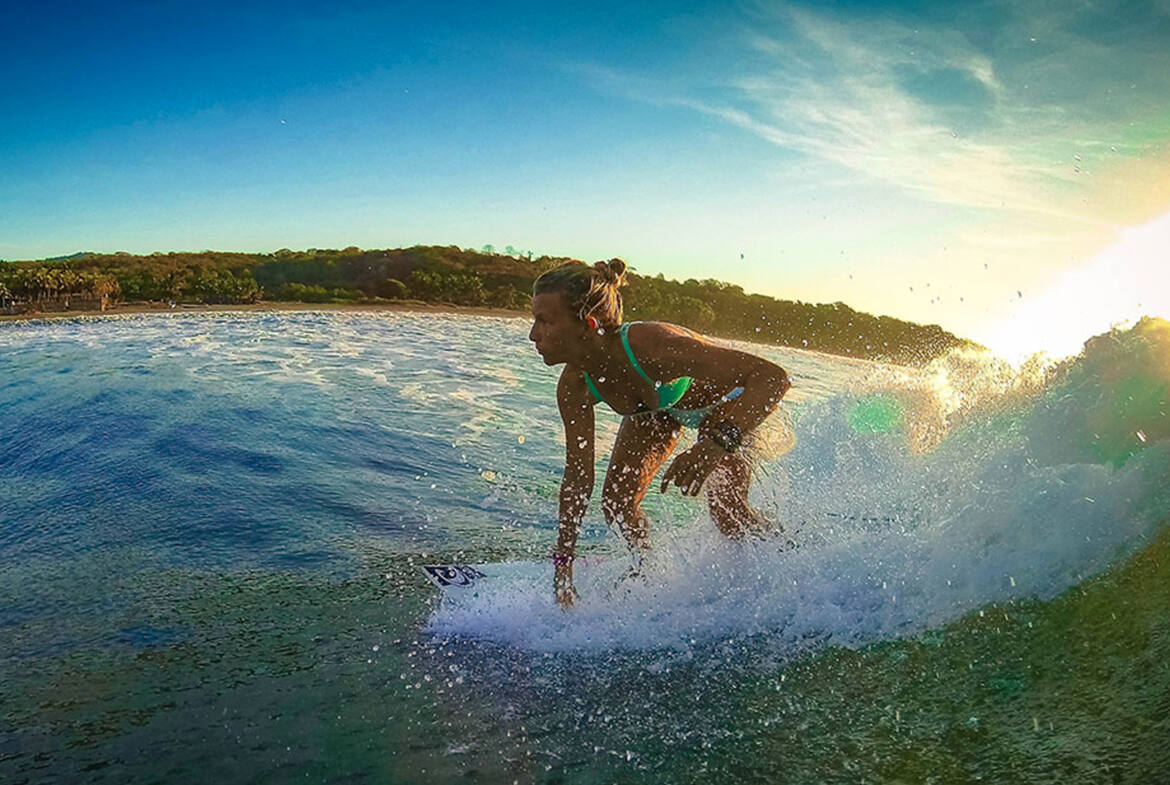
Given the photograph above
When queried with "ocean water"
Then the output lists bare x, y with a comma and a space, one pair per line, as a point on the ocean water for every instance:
211, 527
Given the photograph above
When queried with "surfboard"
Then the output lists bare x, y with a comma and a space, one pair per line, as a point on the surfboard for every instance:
452, 576
460, 578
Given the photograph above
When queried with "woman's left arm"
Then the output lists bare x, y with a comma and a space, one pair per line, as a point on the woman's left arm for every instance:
764, 384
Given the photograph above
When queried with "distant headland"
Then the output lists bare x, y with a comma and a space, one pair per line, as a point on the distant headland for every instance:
442, 276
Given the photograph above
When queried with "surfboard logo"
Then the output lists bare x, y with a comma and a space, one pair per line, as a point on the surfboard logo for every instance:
448, 575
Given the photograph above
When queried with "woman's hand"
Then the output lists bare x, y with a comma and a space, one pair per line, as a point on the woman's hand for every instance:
563, 583
692, 467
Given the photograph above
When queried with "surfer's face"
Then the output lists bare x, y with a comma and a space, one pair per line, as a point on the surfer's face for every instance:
554, 327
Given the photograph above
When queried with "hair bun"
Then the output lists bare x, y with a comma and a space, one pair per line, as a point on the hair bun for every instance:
612, 272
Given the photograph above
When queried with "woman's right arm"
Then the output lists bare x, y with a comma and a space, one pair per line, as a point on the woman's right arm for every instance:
576, 405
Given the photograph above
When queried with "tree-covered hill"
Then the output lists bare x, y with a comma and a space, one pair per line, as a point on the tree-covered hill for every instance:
448, 274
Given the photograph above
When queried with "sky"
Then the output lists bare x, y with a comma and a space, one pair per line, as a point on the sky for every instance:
999, 168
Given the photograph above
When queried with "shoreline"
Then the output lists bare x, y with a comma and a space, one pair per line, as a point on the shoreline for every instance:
411, 306
131, 309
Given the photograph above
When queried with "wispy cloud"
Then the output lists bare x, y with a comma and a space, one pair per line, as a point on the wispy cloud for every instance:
996, 110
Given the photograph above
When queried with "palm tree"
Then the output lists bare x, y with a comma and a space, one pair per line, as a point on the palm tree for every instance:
105, 287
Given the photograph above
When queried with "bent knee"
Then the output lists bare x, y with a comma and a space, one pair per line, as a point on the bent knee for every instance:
620, 513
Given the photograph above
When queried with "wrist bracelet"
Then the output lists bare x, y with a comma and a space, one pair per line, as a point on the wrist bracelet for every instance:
727, 435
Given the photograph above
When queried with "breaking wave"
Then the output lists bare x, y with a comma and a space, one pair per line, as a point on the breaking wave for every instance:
913, 499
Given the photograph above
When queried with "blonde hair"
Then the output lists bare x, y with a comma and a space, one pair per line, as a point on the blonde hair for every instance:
592, 290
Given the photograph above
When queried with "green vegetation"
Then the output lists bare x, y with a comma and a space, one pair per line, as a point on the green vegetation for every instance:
57, 283
456, 276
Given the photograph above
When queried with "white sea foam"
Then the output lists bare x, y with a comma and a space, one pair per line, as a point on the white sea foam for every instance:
939, 547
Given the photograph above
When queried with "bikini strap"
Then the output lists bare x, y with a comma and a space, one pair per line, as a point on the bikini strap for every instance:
630, 354
593, 388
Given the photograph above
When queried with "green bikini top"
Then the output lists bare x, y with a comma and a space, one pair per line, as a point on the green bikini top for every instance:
669, 393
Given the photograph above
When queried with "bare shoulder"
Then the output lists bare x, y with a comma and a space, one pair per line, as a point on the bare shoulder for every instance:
571, 378
571, 389
663, 341
669, 350
655, 337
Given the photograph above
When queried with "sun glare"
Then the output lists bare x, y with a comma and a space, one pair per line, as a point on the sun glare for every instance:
1125, 281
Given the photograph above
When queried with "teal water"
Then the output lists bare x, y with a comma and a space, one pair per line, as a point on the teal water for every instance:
212, 525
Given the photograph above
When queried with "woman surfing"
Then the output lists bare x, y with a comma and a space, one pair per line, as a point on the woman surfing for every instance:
661, 378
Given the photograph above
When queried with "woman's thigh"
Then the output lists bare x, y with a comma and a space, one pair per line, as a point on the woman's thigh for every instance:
643, 443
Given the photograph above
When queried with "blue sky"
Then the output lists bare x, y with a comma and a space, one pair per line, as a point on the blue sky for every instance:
948, 163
